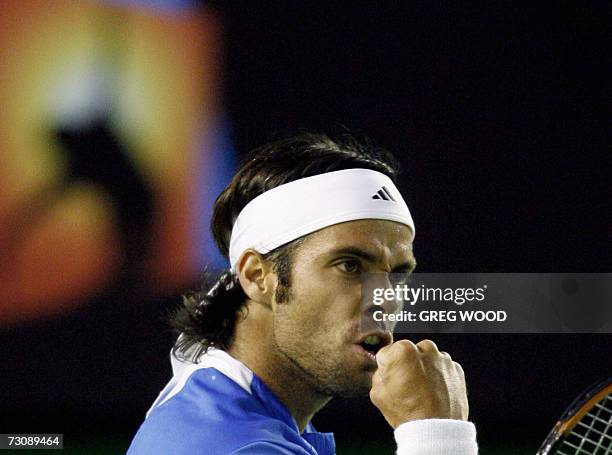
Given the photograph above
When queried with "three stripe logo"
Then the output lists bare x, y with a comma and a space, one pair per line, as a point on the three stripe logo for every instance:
383, 194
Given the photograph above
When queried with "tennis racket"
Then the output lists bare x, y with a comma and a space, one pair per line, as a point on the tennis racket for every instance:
586, 426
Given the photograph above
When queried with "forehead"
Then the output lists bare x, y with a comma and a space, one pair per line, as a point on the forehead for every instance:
381, 238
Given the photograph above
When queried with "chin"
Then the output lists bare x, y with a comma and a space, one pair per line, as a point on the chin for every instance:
358, 390
358, 385
346, 383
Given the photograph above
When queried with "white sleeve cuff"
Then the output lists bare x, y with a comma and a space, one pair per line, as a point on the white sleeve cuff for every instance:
436, 437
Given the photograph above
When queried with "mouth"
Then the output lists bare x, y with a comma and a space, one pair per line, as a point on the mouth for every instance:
373, 342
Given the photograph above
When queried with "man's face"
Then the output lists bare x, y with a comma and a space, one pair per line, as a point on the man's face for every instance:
319, 328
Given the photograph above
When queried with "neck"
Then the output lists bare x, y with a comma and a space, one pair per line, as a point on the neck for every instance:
254, 346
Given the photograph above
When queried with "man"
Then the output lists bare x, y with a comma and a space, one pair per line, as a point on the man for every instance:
280, 333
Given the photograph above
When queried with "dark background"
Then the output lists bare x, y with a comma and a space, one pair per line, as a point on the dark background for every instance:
499, 116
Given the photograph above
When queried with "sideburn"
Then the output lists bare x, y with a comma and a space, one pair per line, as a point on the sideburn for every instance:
282, 258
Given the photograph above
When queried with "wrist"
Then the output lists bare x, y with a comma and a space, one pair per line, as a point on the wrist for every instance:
436, 436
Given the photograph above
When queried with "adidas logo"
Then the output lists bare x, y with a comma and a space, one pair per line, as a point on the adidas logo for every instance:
383, 194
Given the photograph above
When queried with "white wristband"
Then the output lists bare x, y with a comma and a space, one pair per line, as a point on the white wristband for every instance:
436, 437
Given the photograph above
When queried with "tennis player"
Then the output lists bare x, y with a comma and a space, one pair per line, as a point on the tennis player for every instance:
279, 334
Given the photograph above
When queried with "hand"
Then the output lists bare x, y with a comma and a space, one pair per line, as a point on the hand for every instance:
415, 382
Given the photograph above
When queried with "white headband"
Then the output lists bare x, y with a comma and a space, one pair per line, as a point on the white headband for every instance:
303, 206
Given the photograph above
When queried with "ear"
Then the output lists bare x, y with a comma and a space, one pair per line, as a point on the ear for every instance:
256, 276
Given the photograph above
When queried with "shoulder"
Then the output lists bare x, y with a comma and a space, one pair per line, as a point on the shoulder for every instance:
212, 414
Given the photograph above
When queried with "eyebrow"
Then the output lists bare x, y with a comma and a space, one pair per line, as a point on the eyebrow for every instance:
409, 265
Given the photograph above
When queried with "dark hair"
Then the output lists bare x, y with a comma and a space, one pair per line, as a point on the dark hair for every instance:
208, 317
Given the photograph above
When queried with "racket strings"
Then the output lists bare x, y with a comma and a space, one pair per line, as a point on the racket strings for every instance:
592, 435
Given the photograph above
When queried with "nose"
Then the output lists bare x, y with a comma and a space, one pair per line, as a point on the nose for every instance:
394, 304
380, 298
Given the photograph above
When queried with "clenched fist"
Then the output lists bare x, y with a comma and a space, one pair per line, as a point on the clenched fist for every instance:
415, 382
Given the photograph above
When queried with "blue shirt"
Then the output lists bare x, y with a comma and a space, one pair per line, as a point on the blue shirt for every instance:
219, 406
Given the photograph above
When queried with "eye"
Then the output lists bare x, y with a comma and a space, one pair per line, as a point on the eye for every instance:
349, 266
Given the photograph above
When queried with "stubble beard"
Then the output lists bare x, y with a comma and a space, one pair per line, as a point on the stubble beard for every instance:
324, 373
